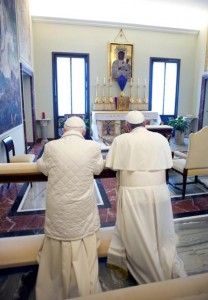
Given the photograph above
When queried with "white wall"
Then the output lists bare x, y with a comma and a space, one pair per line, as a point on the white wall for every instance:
200, 65
54, 37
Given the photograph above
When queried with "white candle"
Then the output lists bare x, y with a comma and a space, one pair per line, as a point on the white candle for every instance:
110, 80
104, 80
97, 80
138, 81
145, 82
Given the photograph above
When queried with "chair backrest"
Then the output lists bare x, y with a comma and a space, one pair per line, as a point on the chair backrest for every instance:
197, 156
9, 146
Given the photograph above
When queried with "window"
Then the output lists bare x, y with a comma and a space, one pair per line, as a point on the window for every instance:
70, 87
164, 83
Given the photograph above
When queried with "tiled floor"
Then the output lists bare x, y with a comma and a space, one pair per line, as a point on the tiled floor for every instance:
23, 208
191, 232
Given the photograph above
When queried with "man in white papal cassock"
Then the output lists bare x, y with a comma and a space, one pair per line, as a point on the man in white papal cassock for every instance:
143, 242
68, 260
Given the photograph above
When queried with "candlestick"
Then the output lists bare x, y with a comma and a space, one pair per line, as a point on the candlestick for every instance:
110, 91
104, 100
131, 98
145, 97
138, 100
96, 93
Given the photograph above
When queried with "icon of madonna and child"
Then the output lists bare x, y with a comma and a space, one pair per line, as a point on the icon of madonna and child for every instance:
121, 68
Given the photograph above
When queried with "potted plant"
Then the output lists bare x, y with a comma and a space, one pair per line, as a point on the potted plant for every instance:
179, 125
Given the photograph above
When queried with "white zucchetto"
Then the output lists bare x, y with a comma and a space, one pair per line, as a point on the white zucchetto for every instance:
135, 117
74, 122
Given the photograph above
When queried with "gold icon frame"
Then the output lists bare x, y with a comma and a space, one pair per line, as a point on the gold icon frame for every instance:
113, 49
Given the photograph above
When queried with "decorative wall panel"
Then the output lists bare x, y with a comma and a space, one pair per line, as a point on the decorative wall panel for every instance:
10, 104
23, 22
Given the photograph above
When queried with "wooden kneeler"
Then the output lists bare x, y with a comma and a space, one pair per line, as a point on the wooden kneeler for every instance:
22, 250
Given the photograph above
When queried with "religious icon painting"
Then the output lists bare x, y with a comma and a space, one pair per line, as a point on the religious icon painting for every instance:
123, 103
108, 128
120, 60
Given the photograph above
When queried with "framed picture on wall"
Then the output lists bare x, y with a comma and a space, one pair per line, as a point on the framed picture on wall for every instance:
120, 60
10, 100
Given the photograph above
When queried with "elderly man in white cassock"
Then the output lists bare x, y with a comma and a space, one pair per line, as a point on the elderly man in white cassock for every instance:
143, 242
68, 262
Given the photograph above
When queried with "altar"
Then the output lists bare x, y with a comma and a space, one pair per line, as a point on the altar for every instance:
106, 125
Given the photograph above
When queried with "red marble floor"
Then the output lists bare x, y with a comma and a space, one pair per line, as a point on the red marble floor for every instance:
194, 204
13, 223
191, 205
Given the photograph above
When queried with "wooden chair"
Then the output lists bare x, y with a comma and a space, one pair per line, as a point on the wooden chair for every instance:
195, 162
10, 153
10, 149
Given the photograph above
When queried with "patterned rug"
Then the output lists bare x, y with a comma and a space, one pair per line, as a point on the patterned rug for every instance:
15, 221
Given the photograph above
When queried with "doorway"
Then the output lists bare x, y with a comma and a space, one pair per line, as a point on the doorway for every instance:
28, 106
203, 108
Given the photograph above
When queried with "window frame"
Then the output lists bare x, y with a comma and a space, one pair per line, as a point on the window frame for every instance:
165, 60
85, 56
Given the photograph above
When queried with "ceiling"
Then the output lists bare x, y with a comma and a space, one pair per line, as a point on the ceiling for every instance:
179, 14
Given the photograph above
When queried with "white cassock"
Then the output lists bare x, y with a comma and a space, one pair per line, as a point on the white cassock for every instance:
68, 260
144, 237
68, 269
